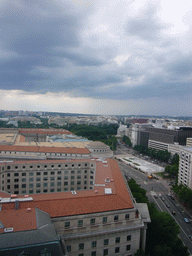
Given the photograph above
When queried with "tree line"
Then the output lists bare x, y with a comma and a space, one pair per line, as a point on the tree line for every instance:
162, 155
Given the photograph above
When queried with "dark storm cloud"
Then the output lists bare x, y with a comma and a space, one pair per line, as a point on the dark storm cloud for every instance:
36, 31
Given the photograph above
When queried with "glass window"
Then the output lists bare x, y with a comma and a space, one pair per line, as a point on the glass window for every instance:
116, 217
31, 185
59, 183
117, 240
44, 173
127, 216
80, 223
93, 253
58, 189
8, 186
92, 221
45, 178
52, 190
65, 183
72, 182
44, 184
68, 248
23, 185
38, 179
129, 238
72, 172
65, 177
106, 242
105, 252
16, 174
104, 219
79, 177
23, 179
30, 179
16, 186
52, 178
16, 180
38, 185
78, 182
8, 174
93, 243
117, 249
52, 173
31, 174
72, 177
38, 173
23, 174
31, 191
81, 246
128, 247
52, 184
79, 171
58, 178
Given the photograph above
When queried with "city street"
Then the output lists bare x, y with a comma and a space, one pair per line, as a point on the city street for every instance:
157, 192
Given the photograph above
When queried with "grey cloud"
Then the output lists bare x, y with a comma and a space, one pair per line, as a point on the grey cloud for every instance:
145, 25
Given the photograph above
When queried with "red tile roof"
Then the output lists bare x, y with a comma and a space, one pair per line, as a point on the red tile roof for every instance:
44, 149
19, 220
44, 131
87, 201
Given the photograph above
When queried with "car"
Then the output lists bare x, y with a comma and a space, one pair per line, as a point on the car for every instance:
186, 220
172, 197
190, 237
155, 196
162, 199
173, 212
167, 205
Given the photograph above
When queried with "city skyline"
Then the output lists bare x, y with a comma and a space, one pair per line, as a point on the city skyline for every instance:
112, 58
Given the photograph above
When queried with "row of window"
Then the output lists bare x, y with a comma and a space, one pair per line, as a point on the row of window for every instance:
46, 173
105, 251
45, 166
38, 185
93, 222
51, 179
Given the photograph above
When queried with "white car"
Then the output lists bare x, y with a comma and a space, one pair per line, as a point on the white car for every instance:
186, 220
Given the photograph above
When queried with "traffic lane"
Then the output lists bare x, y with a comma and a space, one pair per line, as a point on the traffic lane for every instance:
158, 186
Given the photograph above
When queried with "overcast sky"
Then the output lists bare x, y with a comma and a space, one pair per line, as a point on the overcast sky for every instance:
96, 56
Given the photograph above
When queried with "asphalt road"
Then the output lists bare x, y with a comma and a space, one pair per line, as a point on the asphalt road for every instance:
156, 187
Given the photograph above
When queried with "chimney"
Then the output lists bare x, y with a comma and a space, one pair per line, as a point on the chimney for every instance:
16, 204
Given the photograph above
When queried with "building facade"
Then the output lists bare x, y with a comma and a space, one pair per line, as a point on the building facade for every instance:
185, 167
101, 220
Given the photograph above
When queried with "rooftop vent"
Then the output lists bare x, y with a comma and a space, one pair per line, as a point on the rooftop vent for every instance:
96, 191
108, 191
26, 196
13, 196
74, 192
107, 180
29, 209
8, 229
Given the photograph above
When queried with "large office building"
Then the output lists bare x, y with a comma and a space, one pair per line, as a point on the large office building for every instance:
185, 167
95, 215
